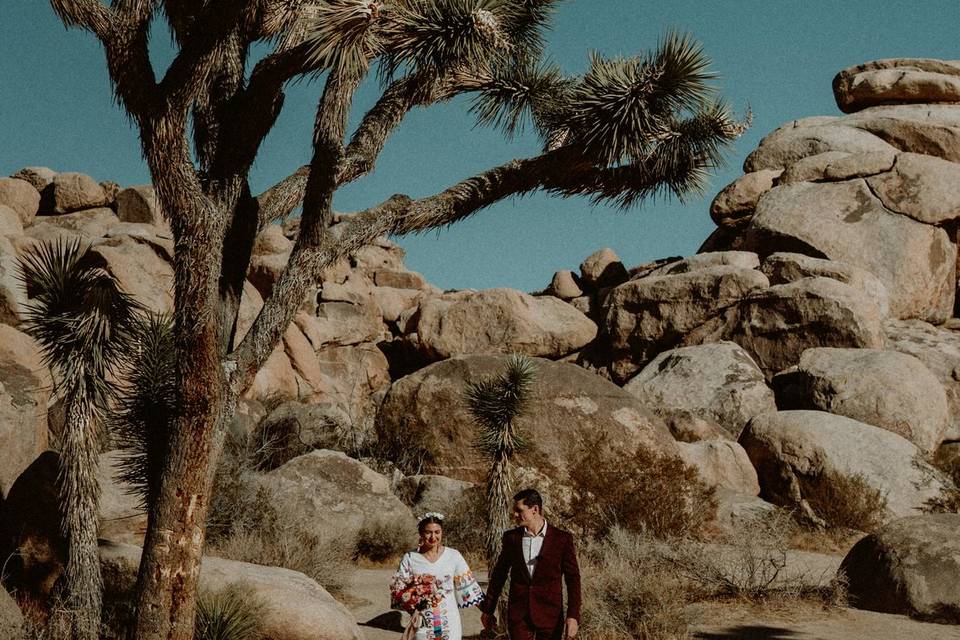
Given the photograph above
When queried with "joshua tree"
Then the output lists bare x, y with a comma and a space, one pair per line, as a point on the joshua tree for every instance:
627, 129
496, 403
84, 325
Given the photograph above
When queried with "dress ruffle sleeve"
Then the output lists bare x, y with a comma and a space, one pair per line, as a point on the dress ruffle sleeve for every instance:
466, 589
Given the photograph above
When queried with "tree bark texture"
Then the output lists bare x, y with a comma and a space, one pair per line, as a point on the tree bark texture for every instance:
79, 498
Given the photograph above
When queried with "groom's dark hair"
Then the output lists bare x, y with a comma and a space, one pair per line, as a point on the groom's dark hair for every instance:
530, 497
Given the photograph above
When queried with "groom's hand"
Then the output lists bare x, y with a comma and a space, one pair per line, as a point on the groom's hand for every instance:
570, 629
487, 620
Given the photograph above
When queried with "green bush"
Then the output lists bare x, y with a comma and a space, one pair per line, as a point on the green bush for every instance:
646, 492
231, 614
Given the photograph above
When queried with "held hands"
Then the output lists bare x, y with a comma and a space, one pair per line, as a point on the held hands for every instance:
570, 629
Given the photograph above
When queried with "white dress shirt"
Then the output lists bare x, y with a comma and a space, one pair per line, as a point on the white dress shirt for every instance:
532, 543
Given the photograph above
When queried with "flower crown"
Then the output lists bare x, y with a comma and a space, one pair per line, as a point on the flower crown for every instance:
431, 514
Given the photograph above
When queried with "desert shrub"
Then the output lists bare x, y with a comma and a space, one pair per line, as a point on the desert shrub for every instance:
845, 502
233, 613
949, 499
275, 443
647, 492
464, 525
237, 503
382, 539
326, 559
628, 592
751, 562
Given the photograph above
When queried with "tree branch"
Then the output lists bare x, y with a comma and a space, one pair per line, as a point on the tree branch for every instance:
399, 215
381, 121
91, 15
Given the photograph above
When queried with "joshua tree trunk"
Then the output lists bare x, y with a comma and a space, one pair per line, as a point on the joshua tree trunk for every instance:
499, 487
79, 497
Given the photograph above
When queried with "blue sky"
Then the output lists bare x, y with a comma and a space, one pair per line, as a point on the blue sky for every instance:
776, 57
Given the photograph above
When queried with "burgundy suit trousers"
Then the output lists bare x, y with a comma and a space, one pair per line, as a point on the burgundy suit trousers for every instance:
526, 631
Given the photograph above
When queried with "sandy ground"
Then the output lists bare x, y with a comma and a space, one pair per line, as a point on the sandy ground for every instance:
369, 601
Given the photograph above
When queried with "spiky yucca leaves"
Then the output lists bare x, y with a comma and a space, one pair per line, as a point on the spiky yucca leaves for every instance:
83, 323
496, 403
520, 90
146, 407
345, 35
231, 614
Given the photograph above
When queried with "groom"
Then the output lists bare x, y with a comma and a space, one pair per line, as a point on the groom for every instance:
537, 556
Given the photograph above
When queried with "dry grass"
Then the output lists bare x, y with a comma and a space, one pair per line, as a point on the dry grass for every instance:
949, 499
648, 492
234, 613
628, 592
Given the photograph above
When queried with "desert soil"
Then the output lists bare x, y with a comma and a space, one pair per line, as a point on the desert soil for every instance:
369, 601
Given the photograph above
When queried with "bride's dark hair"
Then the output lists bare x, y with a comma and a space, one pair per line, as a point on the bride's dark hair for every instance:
431, 519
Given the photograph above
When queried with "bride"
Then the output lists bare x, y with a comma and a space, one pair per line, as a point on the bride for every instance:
453, 578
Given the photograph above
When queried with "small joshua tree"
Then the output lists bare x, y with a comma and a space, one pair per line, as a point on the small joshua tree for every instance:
84, 325
146, 407
495, 403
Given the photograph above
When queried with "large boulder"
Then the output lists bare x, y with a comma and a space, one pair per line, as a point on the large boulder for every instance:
646, 316
11, 618
846, 222
786, 267
777, 324
139, 204
832, 166
359, 376
735, 204
890, 390
425, 417
10, 224
426, 492
721, 464
295, 607
122, 516
13, 296
20, 196
717, 382
930, 129
602, 268
89, 223
809, 137
325, 491
75, 191
341, 323
921, 187
802, 453
897, 80
500, 321
910, 566
937, 348
140, 268
33, 549
24, 391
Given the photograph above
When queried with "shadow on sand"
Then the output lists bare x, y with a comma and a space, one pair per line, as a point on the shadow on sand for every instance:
748, 632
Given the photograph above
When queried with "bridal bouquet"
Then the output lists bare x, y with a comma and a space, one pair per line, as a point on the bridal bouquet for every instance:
416, 593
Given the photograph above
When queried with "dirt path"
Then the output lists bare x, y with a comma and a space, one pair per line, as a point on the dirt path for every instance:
370, 603
730, 622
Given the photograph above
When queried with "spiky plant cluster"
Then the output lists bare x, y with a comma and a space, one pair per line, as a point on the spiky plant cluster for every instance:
496, 403
84, 326
233, 613
146, 407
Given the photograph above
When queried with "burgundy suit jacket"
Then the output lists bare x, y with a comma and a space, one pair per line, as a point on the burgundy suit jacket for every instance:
537, 598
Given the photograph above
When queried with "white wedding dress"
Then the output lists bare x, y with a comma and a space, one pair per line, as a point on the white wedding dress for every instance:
459, 587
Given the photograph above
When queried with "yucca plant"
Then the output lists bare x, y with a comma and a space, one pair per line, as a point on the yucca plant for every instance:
233, 613
496, 403
146, 407
84, 325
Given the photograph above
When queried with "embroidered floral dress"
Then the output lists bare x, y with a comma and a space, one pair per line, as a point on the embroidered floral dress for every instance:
454, 578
